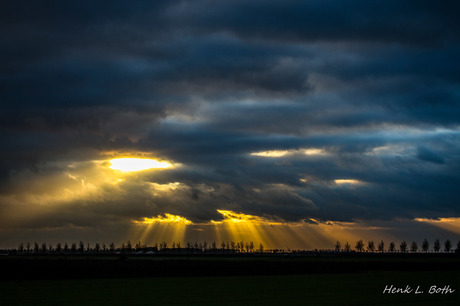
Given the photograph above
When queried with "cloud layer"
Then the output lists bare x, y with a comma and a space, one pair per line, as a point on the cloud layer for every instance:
370, 89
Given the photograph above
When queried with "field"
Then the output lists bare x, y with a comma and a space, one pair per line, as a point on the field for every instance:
322, 280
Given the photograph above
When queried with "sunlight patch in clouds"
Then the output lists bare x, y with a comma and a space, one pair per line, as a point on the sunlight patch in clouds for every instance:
347, 182
136, 164
281, 153
169, 218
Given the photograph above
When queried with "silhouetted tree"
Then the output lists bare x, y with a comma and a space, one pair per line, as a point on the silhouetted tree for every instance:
425, 245
129, 246
403, 247
97, 247
50, 248
251, 246
214, 246
58, 247
205, 245
261, 248
458, 247
437, 245
21, 248
112, 247
44, 247
104, 247
337, 246
391, 248
81, 246
247, 247
73, 248
232, 244
447, 246
414, 247
66, 247
347, 247
28, 247
381, 246
36, 248
359, 246
371, 246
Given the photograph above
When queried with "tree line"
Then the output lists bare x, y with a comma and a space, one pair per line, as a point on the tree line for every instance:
129, 247
403, 247
229, 247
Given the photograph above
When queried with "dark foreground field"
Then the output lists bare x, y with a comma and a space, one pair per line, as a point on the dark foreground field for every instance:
313, 280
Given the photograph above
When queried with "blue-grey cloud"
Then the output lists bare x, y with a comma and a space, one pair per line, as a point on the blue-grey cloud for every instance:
372, 85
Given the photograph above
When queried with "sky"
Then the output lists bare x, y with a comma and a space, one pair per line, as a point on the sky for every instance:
288, 123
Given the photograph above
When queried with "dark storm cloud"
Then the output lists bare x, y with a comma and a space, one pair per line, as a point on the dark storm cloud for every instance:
372, 84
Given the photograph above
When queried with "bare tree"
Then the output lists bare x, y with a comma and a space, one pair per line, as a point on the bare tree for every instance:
381, 246
403, 247
437, 245
28, 247
261, 248
359, 246
112, 247
371, 246
347, 247
447, 246
425, 245
414, 247
391, 248
81, 246
21, 248
337, 246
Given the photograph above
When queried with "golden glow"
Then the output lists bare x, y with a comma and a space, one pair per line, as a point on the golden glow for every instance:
136, 164
168, 219
230, 216
450, 224
347, 182
274, 153
280, 153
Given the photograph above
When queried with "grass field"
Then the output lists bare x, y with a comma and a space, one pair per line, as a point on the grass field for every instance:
314, 280
315, 289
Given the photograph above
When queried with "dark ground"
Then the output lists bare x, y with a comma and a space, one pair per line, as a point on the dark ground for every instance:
356, 279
